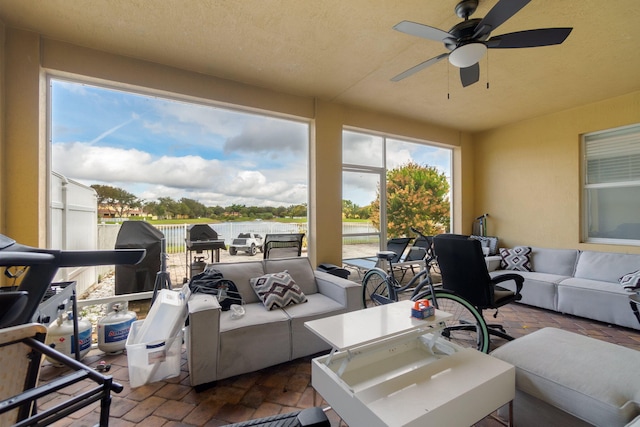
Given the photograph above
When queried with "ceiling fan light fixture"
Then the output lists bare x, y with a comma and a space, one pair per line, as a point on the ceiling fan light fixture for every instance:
467, 55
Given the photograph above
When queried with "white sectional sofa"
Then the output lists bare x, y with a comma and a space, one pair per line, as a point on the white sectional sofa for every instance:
582, 283
219, 346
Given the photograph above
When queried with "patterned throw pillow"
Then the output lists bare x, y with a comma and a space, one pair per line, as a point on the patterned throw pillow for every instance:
518, 258
631, 281
277, 290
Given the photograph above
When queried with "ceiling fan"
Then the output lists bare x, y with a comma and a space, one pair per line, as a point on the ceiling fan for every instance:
469, 40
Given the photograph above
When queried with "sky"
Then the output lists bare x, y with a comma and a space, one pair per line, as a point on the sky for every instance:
374, 151
156, 147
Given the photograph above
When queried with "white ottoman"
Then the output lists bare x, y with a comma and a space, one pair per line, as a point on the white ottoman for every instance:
567, 379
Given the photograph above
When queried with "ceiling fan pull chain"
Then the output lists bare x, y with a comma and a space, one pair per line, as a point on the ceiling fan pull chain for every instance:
487, 70
448, 91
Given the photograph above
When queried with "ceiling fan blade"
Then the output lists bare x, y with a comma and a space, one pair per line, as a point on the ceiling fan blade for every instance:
502, 11
421, 30
529, 38
419, 67
470, 75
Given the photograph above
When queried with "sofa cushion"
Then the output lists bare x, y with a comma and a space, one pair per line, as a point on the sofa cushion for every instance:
554, 261
300, 270
605, 266
255, 314
277, 290
241, 273
631, 281
604, 301
539, 289
303, 341
259, 339
517, 259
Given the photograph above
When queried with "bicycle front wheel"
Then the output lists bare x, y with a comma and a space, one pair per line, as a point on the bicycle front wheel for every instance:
466, 327
375, 290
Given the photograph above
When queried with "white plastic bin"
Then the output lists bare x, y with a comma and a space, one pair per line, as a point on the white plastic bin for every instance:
166, 317
152, 361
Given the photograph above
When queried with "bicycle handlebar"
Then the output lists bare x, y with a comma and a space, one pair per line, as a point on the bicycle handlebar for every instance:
418, 232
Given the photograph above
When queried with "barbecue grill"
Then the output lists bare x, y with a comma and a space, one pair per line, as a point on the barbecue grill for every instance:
201, 238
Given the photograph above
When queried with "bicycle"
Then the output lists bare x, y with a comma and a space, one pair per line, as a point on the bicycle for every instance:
466, 327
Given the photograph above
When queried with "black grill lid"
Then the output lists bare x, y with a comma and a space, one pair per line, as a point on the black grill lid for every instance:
197, 232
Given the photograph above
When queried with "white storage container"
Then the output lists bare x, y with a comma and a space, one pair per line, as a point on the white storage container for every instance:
166, 316
153, 360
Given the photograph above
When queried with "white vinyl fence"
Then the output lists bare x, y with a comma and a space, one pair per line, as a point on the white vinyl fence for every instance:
73, 211
175, 234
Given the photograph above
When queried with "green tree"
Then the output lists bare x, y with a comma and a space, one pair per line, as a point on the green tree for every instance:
364, 212
194, 209
154, 208
235, 209
214, 211
168, 206
116, 199
349, 209
297, 211
417, 196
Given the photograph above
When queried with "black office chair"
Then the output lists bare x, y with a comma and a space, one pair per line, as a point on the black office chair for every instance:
464, 271
310, 417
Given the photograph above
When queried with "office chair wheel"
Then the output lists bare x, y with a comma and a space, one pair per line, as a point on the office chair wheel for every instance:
467, 327
375, 289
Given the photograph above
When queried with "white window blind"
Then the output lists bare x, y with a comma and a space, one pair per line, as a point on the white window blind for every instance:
613, 156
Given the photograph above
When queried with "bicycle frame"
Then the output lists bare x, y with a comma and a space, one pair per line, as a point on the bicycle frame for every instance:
395, 288
466, 315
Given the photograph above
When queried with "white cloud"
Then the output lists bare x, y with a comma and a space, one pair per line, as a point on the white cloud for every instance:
212, 182
278, 138
208, 119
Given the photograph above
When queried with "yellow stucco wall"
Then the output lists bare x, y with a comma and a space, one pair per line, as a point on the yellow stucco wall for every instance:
527, 174
29, 57
24, 157
2, 154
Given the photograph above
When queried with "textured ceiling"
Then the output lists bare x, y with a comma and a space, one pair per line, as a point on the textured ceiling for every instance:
346, 50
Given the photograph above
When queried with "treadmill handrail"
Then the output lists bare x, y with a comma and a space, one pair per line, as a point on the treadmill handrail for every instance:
43, 265
10, 259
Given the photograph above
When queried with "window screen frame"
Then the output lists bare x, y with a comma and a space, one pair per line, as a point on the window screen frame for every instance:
621, 145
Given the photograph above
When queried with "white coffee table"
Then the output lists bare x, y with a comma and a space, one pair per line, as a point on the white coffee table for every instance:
388, 369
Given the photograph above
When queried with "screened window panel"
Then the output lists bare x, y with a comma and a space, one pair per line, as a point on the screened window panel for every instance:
614, 213
612, 184
362, 149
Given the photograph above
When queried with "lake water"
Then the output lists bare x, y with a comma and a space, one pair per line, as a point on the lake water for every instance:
175, 234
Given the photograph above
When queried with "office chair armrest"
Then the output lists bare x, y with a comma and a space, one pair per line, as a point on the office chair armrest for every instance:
509, 276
